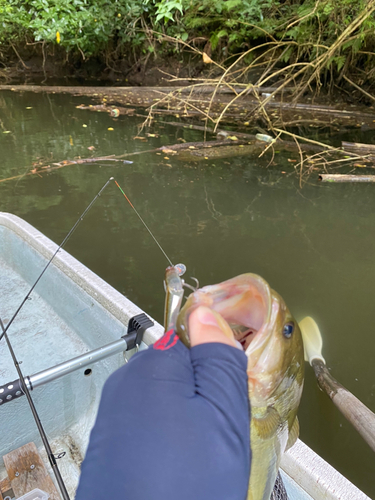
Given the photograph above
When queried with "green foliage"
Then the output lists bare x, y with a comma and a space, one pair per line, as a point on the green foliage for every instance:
98, 27
85, 25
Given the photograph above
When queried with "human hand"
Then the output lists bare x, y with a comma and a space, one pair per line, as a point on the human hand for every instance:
173, 424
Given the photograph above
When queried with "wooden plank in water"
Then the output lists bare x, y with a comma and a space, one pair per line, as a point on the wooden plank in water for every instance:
27, 471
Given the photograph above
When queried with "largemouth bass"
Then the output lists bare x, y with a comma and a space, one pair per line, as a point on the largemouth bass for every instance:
257, 317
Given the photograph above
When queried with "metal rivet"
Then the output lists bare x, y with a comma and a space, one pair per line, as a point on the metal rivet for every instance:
32, 467
17, 474
9, 397
1, 391
18, 393
10, 387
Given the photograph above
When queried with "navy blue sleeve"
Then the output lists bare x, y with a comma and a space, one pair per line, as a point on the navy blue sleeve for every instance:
172, 424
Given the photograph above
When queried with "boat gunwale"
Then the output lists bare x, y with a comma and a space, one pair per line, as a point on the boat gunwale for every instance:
113, 301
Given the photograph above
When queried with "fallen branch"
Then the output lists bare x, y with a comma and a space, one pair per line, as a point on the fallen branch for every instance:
359, 88
359, 148
346, 178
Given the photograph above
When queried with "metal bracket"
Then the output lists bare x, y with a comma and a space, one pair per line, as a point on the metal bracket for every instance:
136, 328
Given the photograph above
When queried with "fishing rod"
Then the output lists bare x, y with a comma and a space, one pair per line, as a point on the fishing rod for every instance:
80, 219
52, 459
143, 222
173, 283
51, 456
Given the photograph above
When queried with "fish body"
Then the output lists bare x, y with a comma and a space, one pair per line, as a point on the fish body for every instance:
258, 318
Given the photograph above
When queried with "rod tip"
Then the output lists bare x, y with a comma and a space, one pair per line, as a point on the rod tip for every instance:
111, 178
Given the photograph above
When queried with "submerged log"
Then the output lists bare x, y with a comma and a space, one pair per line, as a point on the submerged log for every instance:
346, 178
357, 147
191, 100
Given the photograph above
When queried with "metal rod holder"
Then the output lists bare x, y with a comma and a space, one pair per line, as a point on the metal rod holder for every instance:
136, 327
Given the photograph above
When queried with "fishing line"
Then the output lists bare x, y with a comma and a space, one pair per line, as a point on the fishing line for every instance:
143, 222
54, 255
51, 457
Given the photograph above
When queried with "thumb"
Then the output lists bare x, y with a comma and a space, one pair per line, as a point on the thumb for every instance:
207, 326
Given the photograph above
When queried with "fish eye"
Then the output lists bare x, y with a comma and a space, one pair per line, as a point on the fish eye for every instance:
288, 330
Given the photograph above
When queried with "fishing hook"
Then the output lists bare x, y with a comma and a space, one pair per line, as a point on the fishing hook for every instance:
191, 287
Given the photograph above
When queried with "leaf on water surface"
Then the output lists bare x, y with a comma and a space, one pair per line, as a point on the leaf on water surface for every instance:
84, 125
29, 107
7, 132
110, 128
91, 148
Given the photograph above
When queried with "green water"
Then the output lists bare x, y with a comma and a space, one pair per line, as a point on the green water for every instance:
221, 218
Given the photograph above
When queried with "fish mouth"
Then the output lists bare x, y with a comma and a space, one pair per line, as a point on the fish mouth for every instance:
244, 302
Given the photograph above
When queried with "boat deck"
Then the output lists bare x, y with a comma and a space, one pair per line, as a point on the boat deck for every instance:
39, 336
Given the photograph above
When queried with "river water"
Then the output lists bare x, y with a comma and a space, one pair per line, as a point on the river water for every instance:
315, 245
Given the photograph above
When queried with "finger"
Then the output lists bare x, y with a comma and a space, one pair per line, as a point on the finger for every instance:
207, 326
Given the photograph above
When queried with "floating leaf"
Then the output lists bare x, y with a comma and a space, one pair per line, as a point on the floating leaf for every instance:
29, 107
110, 128
6, 132
91, 148
84, 125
